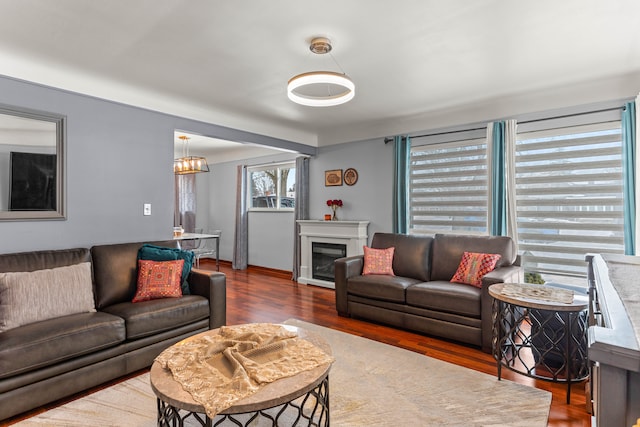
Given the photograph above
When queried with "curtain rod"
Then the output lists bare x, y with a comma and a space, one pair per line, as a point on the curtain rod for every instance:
390, 139
603, 110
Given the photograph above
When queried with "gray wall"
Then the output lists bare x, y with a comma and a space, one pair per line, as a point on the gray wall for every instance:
271, 233
117, 158
369, 199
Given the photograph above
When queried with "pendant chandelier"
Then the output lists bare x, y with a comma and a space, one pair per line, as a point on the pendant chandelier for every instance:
321, 88
189, 164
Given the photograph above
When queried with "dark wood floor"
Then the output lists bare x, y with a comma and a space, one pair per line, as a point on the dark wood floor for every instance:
258, 295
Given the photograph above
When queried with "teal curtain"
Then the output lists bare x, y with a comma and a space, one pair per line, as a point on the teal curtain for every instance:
498, 220
402, 151
629, 176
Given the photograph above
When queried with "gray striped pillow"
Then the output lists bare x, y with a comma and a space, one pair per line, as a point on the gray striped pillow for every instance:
27, 297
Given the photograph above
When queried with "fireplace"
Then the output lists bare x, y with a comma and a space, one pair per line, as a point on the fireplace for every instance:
322, 257
322, 242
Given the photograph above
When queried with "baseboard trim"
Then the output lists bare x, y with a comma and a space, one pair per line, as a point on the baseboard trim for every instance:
281, 274
273, 272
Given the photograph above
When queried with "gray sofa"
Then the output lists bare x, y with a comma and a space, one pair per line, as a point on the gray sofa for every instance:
51, 359
420, 296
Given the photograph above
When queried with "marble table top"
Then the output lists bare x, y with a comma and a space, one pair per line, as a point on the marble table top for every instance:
526, 297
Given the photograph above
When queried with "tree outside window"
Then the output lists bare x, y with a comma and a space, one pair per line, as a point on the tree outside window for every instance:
272, 187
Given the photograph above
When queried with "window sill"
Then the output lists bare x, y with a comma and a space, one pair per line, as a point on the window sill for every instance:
273, 210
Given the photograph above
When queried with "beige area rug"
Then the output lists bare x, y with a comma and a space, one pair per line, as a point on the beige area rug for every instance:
371, 384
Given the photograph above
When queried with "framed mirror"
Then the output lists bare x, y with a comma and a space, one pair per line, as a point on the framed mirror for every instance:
32, 179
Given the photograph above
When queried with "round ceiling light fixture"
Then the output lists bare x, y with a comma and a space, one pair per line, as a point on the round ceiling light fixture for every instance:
321, 88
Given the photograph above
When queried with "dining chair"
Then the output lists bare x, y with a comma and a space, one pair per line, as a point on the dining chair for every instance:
191, 245
206, 247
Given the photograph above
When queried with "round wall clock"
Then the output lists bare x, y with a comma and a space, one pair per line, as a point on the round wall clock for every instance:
350, 176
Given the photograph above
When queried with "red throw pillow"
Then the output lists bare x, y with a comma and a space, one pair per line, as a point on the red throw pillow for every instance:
378, 261
473, 266
158, 279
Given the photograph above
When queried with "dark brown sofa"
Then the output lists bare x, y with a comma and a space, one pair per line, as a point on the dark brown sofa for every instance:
420, 296
48, 360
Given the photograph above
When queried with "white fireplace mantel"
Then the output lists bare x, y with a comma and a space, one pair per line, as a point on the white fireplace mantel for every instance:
353, 234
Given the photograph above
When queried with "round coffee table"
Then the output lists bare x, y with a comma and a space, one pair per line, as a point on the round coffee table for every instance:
302, 397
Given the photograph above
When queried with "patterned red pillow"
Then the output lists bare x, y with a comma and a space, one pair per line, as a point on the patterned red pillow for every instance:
473, 266
158, 279
378, 261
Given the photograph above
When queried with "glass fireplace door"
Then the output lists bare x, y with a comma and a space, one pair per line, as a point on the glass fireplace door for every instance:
322, 257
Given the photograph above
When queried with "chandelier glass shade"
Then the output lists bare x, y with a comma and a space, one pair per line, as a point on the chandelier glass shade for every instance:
189, 164
321, 88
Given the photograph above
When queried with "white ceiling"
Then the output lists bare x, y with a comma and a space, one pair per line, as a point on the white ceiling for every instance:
228, 62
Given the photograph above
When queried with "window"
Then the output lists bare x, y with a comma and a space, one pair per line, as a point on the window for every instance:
272, 186
569, 196
568, 190
448, 187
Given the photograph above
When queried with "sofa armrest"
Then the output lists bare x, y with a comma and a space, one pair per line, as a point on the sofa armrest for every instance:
213, 286
509, 274
345, 268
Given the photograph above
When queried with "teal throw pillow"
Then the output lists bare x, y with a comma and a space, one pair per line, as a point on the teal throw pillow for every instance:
161, 253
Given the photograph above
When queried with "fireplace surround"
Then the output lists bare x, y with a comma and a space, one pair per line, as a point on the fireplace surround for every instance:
331, 239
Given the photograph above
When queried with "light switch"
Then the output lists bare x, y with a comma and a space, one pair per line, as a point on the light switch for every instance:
146, 210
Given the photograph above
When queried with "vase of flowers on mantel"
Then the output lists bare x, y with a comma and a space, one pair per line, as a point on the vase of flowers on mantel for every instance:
334, 204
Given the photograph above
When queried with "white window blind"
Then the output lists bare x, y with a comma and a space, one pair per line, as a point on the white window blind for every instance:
569, 196
448, 187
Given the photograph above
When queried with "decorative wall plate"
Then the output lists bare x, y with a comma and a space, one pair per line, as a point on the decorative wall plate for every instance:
350, 176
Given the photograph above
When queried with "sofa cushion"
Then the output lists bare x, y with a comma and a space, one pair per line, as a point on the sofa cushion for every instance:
46, 343
387, 288
473, 267
115, 271
378, 261
448, 249
32, 296
161, 253
446, 296
412, 256
151, 317
158, 279
41, 260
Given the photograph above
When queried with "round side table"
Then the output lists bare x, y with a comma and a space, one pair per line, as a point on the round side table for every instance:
538, 336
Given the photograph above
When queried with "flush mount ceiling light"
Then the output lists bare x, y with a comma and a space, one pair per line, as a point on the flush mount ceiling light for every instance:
321, 88
189, 164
